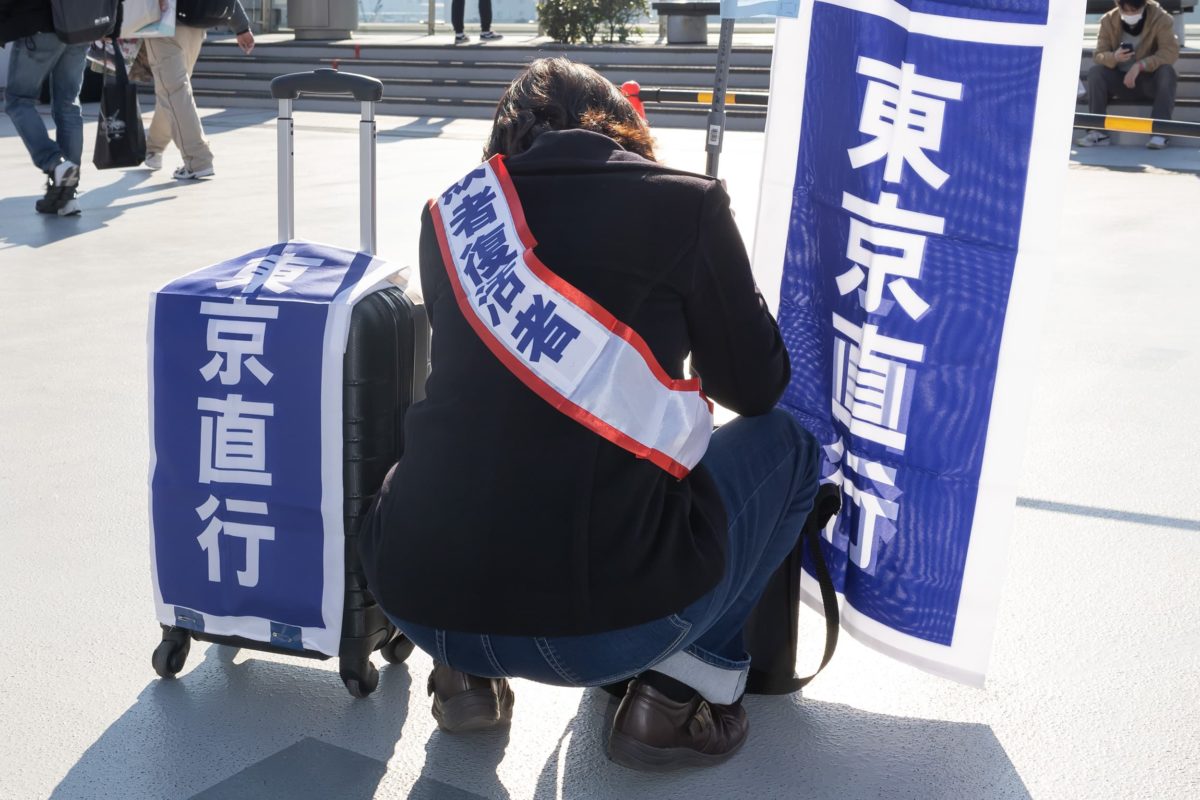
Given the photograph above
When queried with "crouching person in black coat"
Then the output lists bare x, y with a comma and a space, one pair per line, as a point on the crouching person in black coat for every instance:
561, 513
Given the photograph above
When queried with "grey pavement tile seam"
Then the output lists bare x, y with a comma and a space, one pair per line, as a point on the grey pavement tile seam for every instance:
1109, 513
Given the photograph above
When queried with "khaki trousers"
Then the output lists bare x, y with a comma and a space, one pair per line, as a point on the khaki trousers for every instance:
176, 119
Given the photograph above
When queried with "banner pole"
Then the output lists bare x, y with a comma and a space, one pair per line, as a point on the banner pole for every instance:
716, 116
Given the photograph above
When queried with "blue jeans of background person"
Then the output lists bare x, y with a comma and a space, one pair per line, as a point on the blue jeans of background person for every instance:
31, 61
766, 469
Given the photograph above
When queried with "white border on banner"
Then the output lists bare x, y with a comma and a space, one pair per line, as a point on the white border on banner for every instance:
966, 658
159, 606
789, 71
960, 29
326, 639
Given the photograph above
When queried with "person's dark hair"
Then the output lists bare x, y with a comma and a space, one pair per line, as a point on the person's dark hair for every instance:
1132, 5
556, 94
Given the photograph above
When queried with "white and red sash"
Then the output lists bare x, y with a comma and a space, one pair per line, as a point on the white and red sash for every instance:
558, 341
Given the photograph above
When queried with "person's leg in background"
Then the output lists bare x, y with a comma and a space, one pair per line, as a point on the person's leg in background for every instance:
457, 12
1160, 87
170, 58
31, 61
1102, 83
158, 135
485, 22
687, 708
66, 78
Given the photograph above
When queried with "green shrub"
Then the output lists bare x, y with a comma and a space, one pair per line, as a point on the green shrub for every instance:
573, 21
619, 16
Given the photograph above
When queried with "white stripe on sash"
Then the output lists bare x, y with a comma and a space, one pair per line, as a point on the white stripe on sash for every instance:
554, 338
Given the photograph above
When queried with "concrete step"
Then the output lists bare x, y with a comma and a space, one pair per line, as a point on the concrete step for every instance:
743, 78
467, 81
597, 56
1188, 86
1186, 109
665, 115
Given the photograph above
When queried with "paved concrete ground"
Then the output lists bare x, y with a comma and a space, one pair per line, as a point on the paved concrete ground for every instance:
1092, 692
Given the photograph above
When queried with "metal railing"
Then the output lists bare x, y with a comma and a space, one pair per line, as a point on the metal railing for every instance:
1107, 122
701, 97
1156, 127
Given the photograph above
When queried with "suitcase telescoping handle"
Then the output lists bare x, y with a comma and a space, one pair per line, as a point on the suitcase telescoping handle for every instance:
365, 89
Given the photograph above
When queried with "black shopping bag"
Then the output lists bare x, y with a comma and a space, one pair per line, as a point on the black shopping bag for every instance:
120, 139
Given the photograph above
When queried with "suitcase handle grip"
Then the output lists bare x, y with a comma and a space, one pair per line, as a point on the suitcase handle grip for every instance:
286, 89
327, 82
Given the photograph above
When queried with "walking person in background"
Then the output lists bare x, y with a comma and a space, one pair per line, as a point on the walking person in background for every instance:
176, 119
457, 10
37, 54
1134, 55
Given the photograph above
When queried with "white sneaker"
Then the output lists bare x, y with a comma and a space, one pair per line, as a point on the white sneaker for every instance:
70, 208
1157, 142
66, 174
1094, 139
153, 162
461, 38
490, 36
185, 174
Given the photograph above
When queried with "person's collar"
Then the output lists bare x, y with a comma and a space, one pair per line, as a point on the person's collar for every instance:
586, 148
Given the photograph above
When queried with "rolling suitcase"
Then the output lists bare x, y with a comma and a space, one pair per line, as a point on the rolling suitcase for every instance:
383, 372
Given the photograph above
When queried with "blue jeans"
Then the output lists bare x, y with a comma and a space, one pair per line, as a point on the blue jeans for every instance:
31, 61
766, 469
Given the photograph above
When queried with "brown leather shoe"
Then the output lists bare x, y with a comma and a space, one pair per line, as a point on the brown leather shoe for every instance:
653, 732
463, 702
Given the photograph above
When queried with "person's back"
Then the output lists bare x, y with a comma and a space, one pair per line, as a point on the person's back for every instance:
563, 511
559, 530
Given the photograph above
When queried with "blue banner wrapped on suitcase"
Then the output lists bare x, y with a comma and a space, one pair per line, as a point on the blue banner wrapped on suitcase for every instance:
914, 153
246, 443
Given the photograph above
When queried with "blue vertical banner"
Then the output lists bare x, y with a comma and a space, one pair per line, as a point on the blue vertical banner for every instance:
246, 491
915, 151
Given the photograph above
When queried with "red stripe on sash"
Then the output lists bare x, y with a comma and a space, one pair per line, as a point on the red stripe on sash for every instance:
526, 375
579, 298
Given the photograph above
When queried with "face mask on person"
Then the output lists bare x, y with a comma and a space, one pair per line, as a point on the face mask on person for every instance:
1131, 19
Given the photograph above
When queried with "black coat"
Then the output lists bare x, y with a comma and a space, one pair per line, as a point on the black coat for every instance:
21, 18
505, 516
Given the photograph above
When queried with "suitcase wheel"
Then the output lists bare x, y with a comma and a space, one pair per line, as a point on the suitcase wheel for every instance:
171, 653
397, 650
361, 682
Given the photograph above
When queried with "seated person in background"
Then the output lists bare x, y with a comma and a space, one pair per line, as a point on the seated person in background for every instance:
1134, 54
525, 534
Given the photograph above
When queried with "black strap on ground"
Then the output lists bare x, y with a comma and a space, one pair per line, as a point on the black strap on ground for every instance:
1154, 127
828, 503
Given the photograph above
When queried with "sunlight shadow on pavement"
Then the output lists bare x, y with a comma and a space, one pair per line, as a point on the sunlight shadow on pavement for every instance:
797, 748
234, 727
22, 226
